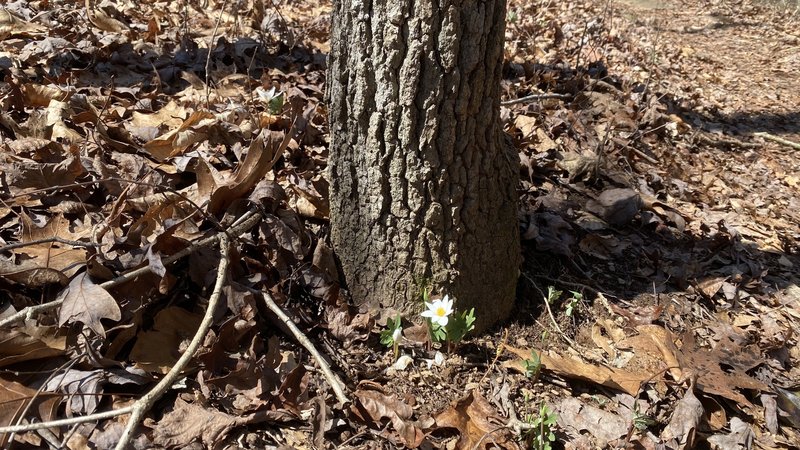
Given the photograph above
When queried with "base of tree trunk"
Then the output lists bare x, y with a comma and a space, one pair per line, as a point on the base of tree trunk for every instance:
423, 189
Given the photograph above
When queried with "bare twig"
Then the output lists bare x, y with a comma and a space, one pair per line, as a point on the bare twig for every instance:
550, 313
777, 139
534, 97
500, 349
65, 422
333, 380
210, 49
146, 402
722, 141
247, 221
47, 241
643, 155
244, 223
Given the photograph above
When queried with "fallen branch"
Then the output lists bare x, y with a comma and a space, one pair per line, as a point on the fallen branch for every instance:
644, 155
722, 141
534, 97
333, 380
146, 402
777, 139
244, 223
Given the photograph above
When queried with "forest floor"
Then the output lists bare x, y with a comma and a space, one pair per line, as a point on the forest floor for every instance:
660, 214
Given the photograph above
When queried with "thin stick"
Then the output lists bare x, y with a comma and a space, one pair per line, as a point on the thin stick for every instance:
500, 349
47, 241
550, 313
146, 402
777, 139
247, 221
534, 97
210, 49
333, 380
65, 422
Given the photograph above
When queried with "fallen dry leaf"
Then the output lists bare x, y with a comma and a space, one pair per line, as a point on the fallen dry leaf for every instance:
372, 406
740, 437
263, 153
478, 424
13, 399
577, 417
88, 303
12, 25
616, 206
712, 378
683, 424
157, 349
190, 422
175, 142
28, 342
711, 285
621, 379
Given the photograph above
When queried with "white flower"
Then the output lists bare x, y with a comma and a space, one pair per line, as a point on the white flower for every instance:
398, 333
439, 310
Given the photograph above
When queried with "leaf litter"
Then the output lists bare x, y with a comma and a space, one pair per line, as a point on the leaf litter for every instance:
130, 137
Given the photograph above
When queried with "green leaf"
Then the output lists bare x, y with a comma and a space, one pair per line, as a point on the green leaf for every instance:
460, 325
386, 338
387, 335
553, 294
438, 334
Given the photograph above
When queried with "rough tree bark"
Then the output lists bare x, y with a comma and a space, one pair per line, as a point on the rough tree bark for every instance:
423, 186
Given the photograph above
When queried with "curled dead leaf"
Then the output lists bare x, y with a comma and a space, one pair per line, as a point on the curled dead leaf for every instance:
478, 424
372, 406
681, 429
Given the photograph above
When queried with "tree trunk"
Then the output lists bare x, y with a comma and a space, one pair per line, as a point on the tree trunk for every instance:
423, 187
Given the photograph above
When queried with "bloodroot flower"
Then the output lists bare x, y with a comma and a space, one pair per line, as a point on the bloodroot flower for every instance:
439, 310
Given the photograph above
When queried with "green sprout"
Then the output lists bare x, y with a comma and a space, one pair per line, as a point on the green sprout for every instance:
532, 366
391, 336
573, 302
512, 16
540, 435
553, 294
641, 421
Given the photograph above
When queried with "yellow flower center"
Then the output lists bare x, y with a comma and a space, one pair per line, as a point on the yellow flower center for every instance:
441, 312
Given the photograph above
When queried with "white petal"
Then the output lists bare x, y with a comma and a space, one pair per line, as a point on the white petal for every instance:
402, 362
447, 304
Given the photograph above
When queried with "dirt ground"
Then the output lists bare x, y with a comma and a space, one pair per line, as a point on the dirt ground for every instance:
717, 74
660, 213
